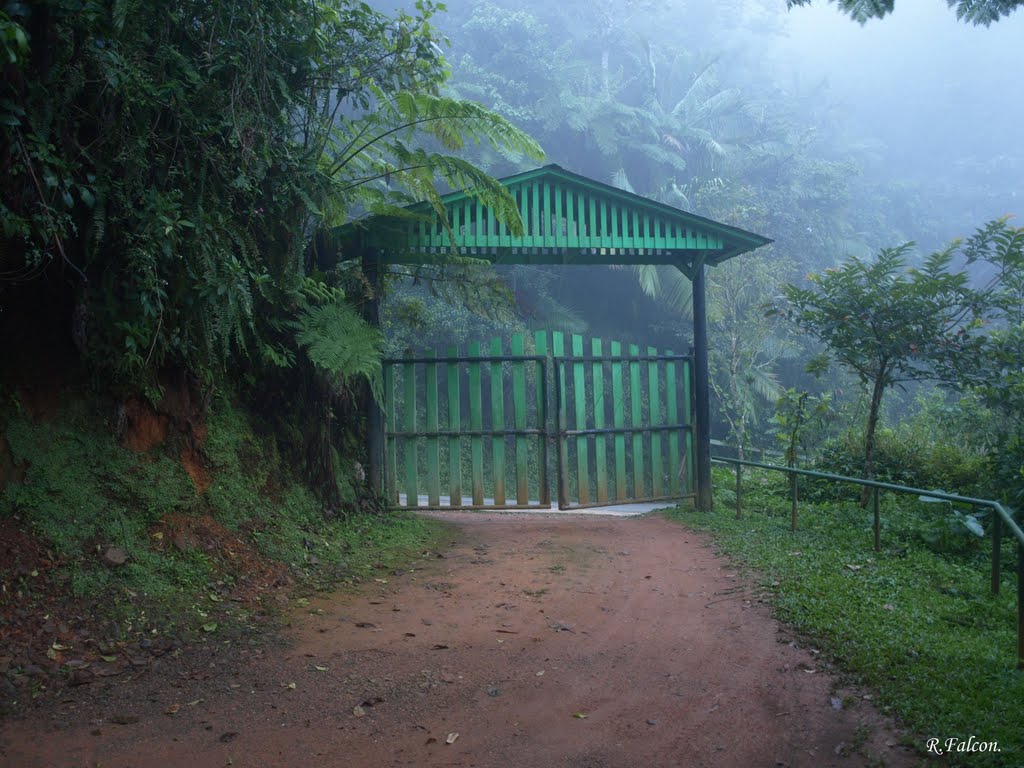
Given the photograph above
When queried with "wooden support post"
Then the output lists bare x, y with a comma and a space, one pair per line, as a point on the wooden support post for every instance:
997, 551
374, 414
701, 390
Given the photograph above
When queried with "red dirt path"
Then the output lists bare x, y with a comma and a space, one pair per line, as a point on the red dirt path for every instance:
543, 642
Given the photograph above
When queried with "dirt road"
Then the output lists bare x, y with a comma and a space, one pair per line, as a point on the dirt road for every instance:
532, 642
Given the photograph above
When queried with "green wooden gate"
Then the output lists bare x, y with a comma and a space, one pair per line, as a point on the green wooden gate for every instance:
487, 428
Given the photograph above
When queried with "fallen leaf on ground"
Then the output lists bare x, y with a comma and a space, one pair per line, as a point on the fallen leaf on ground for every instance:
172, 709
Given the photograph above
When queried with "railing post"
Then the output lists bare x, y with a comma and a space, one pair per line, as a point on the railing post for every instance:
739, 475
793, 487
1020, 605
997, 552
878, 523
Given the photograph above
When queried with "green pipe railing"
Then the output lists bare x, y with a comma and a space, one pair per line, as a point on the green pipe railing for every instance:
1002, 518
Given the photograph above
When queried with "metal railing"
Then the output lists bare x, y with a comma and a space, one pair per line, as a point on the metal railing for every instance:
1002, 518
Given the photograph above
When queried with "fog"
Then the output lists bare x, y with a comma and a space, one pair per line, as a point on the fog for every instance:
834, 139
940, 100
916, 98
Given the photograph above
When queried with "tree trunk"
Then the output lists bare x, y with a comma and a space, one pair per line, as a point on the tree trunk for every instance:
869, 435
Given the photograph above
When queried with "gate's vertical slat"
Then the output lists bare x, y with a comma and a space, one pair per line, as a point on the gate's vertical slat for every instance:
579, 396
600, 441
592, 229
558, 352
606, 236
546, 216
618, 421
654, 386
524, 214
572, 220
476, 424
433, 446
541, 345
672, 398
691, 468
391, 453
498, 425
560, 233
535, 218
519, 419
636, 422
454, 425
411, 470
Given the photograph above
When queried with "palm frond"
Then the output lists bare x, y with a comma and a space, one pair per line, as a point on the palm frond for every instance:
621, 180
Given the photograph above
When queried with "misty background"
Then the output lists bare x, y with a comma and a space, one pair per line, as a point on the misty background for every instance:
834, 139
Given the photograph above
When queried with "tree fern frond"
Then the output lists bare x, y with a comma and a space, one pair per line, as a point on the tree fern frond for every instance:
340, 343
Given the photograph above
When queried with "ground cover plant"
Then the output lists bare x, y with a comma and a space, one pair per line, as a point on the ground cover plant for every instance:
110, 549
915, 622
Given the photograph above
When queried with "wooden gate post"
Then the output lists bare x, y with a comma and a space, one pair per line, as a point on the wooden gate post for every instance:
374, 414
702, 404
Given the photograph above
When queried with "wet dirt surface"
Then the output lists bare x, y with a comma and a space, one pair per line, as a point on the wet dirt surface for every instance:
531, 642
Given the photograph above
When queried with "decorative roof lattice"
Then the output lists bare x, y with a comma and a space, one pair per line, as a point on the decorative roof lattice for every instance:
567, 219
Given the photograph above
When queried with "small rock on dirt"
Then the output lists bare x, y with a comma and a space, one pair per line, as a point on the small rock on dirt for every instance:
114, 557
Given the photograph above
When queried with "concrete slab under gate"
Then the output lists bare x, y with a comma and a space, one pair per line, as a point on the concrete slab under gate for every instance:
618, 510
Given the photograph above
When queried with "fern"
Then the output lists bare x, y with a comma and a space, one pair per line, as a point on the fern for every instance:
341, 344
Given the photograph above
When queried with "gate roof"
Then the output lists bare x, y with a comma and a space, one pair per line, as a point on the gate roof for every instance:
567, 219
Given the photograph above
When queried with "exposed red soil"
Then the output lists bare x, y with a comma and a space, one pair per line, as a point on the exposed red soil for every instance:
195, 467
541, 641
144, 428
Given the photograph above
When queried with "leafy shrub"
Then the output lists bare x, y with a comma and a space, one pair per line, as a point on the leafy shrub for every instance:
902, 457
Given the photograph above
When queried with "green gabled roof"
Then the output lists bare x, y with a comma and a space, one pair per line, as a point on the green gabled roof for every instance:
567, 219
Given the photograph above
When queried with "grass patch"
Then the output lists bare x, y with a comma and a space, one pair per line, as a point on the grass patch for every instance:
917, 625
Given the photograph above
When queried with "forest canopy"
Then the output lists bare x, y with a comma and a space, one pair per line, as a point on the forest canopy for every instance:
983, 12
